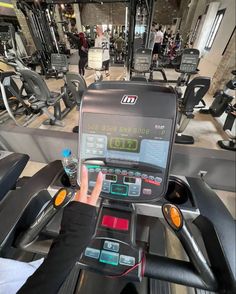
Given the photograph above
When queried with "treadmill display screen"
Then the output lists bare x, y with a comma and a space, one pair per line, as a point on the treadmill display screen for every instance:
128, 138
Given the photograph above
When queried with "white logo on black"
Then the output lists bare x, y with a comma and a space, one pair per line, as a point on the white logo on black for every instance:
129, 99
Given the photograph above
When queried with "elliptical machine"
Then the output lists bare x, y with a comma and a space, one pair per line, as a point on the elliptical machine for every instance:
34, 96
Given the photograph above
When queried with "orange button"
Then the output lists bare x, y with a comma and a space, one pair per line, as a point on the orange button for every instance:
60, 197
175, 217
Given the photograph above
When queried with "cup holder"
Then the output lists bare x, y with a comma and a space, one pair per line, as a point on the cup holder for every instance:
178, 192
65, 181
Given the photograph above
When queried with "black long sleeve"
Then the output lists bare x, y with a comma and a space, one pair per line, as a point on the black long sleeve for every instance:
76, 230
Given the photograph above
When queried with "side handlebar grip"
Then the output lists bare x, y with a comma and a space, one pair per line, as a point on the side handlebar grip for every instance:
175, 271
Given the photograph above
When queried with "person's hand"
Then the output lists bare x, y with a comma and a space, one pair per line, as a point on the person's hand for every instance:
82, 194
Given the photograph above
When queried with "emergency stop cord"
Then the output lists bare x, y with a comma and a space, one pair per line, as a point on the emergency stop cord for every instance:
142, 262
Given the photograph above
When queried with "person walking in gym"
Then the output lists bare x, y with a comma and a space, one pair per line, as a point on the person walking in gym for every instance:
103, 42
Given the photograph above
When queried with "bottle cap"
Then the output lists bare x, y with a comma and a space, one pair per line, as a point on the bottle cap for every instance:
66, 152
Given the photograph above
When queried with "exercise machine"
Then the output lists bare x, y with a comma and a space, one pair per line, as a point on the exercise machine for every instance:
193, 95
222, 98
127, 130
228, 127
34, 96
39, 17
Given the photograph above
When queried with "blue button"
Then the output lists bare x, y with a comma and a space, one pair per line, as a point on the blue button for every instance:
158, 180
106, 184
106, 189
134, 193
109, 257
117, 171
90, 139
127, 260
134, 187
92, 183
91, 252
113, 246
137, 174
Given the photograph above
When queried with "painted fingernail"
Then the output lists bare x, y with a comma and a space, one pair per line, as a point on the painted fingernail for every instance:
84, 168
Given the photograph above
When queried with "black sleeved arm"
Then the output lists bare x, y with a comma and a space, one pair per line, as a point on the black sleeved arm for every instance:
75, 39
76, 230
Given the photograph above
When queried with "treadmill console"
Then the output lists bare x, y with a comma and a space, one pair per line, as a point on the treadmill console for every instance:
126, 132
128, 138
189, 60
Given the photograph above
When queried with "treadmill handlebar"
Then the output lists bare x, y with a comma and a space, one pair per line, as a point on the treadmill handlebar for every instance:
59, 201
175, 271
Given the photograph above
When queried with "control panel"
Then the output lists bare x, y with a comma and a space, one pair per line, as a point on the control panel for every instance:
6, 31
142, 60
131, 153
189, 61
113, 250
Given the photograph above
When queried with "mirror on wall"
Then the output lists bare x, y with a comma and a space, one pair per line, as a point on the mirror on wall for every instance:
71, 29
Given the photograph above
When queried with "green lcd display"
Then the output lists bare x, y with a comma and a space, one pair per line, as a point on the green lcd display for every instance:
123, 144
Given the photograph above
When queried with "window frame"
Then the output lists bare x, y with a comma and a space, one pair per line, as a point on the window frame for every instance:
214, 29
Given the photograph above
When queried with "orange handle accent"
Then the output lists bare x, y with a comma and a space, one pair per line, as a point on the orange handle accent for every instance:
175, 217
60, 197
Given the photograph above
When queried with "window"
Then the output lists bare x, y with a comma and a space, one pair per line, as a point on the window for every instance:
214, 29
195, 31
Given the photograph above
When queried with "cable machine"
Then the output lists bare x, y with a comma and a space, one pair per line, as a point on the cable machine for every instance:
39, 17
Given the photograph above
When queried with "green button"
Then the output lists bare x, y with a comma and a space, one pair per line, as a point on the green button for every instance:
109, 257
92, 166
118, 189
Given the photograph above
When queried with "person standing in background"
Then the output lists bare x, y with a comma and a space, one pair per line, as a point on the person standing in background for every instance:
119, 45
103, 42
81, 44
158, 43
83, 53
152, 37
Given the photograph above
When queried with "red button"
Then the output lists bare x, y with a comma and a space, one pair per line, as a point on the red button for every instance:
116, 223
108, 221
122, 224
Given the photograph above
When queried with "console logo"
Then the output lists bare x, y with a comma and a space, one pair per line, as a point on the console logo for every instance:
129, 99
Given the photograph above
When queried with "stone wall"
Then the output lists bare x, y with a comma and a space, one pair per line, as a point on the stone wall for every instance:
165, 11
226, 65
25, 29
107, 13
